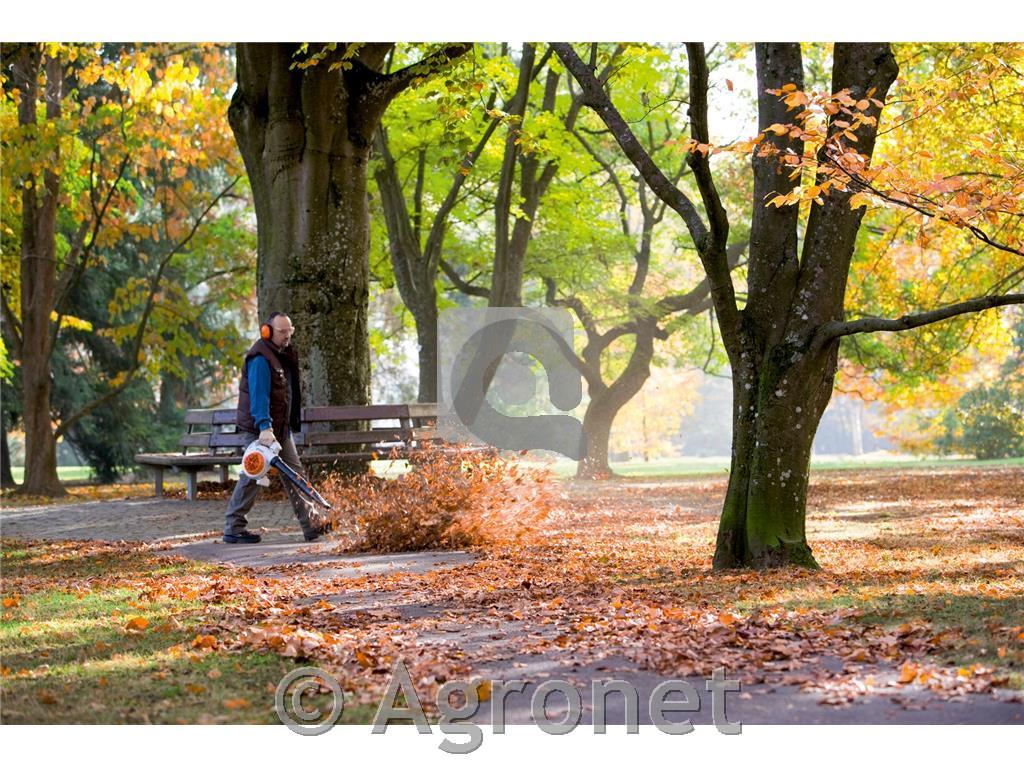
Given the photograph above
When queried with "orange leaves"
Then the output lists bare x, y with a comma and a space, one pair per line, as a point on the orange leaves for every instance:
908, 673
204, 642
12, 602
365, 660
137, 624
236, 703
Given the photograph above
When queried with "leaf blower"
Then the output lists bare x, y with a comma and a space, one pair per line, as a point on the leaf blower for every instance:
257, 461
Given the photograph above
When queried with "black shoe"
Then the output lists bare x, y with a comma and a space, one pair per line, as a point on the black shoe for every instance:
244, 537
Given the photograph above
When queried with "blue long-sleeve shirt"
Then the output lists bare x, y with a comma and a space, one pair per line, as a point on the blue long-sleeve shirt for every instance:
258, 372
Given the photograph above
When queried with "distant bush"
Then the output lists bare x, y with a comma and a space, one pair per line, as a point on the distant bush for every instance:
989, 422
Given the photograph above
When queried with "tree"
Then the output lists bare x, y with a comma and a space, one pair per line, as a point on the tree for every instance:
98, 130
783, 344
305, 125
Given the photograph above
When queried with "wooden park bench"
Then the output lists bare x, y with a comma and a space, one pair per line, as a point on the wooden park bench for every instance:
329, 434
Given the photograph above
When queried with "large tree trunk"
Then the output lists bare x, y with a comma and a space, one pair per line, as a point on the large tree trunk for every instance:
38, 281
306, 143
774, 422
305, 135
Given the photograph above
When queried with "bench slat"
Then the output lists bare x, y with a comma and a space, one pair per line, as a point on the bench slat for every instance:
210, 416
354, 412
396, 434
185, 460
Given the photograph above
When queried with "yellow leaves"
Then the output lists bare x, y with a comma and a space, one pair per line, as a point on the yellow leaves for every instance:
137, 624
204, 642
70, 321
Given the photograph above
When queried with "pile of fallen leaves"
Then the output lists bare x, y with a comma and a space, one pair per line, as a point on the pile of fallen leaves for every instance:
450, 499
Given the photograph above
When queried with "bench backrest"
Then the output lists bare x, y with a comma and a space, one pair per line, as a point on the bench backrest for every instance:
348, 427
367, 427
212, 430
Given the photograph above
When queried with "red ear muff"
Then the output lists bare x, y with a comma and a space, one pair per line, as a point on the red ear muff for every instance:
266, 331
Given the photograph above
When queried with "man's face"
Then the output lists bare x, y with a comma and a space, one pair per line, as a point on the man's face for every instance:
283, 330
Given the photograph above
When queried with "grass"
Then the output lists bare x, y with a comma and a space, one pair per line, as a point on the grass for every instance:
693, 465
71, 658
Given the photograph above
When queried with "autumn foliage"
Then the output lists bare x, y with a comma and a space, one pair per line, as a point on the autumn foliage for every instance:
449, 500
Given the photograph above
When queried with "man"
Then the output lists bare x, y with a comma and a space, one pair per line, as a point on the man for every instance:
269, 410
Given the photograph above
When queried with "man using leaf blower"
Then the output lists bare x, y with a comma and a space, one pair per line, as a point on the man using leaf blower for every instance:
269, 410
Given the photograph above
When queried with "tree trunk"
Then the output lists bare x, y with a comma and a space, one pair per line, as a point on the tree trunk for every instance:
38, 281
607, 401
6, 476
597, 426
776, 410
305, 135
305, 147
426, 337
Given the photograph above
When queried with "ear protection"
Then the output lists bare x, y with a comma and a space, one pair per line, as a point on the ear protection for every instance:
267, 330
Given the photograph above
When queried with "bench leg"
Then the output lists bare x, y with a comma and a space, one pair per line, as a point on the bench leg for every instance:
224, 474
190, 485
158, 480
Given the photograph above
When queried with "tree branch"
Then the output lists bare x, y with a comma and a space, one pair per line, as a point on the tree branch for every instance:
398, 81
837, 329
140, 333
456, 279
712, 254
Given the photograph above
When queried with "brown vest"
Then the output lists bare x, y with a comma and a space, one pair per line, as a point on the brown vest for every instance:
285, 411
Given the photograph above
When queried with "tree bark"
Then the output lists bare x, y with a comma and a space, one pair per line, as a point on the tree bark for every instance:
305, 136
38, 278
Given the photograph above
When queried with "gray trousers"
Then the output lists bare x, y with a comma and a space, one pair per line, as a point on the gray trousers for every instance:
246, 489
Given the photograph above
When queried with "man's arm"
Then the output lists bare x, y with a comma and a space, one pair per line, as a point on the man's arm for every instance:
258, 372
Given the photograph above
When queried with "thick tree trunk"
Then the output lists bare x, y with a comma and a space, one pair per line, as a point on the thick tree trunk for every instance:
597, 426
774, 422
305, 149
305, 135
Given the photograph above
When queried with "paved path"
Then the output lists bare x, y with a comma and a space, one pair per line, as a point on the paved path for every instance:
172, 519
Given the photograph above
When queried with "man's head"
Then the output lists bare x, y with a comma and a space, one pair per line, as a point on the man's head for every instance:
281, 329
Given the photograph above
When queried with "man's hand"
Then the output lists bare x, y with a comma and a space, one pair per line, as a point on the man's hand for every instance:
267, 437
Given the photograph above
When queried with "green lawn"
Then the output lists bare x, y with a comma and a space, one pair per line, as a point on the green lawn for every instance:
691, 465
66, 474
